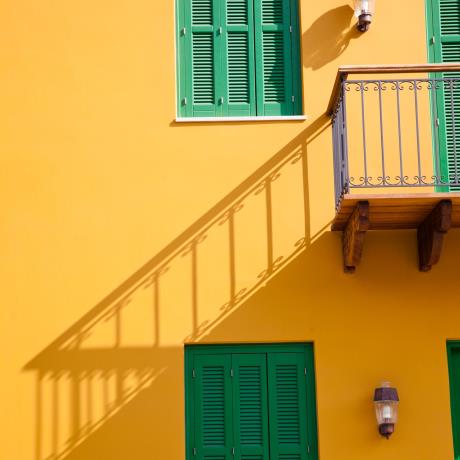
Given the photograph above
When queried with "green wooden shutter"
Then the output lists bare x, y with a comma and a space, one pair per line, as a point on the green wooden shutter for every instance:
250, 406
445, 47
274, 31
213, 407
238, 58
453, 354
200, 68
287, 406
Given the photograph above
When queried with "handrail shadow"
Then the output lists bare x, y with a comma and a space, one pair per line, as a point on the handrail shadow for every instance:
113, 375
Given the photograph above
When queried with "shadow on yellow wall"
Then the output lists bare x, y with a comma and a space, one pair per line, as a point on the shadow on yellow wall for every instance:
99, 395
328, 37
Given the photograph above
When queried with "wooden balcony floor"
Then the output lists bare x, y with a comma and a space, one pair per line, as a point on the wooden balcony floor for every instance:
396, 211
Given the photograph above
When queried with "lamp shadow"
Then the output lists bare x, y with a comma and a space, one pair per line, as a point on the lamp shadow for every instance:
100, 396
328, 37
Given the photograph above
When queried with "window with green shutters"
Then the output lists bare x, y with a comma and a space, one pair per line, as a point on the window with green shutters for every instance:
453, 355
250, 402
238, 58
444, 46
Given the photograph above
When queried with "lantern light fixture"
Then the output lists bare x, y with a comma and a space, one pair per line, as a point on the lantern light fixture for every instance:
386, 402
364, 10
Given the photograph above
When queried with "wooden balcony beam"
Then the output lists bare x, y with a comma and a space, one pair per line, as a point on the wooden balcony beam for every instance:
353, 236
431, 233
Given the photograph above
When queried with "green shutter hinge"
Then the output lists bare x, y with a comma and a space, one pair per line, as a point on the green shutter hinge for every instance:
433, 40
305, 371
194, 451
193, 373
290, 29
231, 373
308, 449
184, 101
233, 451
184, 31
293, 98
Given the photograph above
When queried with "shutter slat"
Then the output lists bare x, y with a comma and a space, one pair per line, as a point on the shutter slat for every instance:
450, 17
203, 69
202, 13
238, 68
274, 69
272, 11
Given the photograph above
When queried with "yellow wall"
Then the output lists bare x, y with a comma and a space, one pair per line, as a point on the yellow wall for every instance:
98, 180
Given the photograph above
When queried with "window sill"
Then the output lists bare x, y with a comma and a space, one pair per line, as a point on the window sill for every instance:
233, 119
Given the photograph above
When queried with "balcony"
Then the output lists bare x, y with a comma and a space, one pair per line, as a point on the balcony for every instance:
396, 144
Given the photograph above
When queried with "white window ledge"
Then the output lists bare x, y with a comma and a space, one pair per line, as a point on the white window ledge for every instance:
232, 119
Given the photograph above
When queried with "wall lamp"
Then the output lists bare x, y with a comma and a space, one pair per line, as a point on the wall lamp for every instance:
386, 408
364, 10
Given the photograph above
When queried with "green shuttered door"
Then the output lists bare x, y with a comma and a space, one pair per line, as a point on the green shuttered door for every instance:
238, 58
250, 403
444, 46
453, 354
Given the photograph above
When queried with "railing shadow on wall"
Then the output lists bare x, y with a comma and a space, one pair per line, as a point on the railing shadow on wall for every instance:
101, 385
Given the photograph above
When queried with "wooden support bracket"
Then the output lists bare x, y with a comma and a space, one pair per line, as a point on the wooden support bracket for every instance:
431, 233
353, 236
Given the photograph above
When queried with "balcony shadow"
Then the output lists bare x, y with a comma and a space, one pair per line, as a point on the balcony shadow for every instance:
97, 394
328, 37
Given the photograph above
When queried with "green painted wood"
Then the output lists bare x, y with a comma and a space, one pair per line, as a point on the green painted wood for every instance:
238, 58
270, 407
443, 25
213, 407
453, 355
273, 57
250, 406
295, 56
287, 406
453, 349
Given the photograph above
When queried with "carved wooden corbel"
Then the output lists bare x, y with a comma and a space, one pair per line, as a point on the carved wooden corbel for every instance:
431, 233
353, 236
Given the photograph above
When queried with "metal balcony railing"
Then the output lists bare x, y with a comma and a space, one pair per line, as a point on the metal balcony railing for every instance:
396, 133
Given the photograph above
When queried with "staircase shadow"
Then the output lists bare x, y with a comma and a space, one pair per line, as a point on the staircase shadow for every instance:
108, 399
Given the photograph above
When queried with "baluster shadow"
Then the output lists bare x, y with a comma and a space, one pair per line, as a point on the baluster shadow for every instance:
98, 395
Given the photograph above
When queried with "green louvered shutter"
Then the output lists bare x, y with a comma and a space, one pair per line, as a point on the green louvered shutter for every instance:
446, 33
213, 407
200, 69
250, 406
453, 354
287, 406
274, 29
238, 58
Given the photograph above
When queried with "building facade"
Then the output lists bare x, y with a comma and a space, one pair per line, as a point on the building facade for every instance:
179, 201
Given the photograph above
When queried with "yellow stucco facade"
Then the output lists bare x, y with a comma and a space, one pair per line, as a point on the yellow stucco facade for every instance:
125, 235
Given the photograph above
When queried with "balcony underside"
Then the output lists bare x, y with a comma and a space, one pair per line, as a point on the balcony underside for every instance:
392, 211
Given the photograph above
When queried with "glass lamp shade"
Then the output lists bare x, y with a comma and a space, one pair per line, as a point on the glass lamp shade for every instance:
386, 402
364, 7
386, 411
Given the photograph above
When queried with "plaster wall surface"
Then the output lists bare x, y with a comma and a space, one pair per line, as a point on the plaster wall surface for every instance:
124, 235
